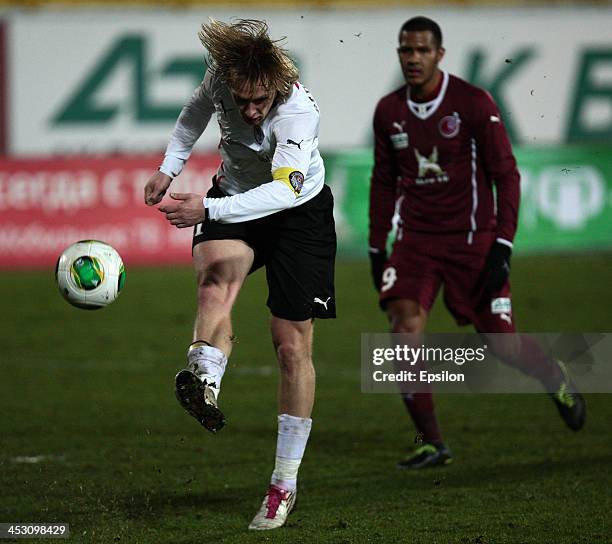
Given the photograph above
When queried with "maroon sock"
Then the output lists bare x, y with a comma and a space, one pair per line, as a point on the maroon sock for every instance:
535, 362
421, 409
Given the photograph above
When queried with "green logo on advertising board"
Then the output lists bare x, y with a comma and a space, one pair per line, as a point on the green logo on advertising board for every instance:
589, 117
131, 52
495, 83
591, 113
83, 105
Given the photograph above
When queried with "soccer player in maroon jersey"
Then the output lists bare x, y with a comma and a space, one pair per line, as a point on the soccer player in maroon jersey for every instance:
440, 146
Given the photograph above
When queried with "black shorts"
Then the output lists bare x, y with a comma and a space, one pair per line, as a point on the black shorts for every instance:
298, 248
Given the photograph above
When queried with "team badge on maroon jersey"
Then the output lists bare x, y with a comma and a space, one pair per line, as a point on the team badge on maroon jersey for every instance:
449, 125
296, 179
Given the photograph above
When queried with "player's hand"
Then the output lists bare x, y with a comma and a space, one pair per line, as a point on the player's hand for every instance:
156, 188
187, 211
497, 267
377, 265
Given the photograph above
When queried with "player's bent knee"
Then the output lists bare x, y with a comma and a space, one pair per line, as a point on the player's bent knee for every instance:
402, 325
289, 354
406, 316
407, 323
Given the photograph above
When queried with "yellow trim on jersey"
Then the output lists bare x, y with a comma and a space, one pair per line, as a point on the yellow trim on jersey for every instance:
283, 174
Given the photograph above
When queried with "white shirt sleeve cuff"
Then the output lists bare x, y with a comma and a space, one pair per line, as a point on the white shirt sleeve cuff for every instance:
172, 166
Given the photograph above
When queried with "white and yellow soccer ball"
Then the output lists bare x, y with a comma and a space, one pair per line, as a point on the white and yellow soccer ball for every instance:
90, 274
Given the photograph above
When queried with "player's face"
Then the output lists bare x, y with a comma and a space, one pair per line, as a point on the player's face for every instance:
419, 56
254, 102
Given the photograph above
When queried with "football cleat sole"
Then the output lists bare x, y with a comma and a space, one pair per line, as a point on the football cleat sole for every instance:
199, 401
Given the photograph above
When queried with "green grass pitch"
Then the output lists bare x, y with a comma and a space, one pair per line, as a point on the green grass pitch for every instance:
93, 392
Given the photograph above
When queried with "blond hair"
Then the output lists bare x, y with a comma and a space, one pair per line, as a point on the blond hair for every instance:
243, 53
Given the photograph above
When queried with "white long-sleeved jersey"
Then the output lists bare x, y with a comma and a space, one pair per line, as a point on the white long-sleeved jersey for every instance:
265, 168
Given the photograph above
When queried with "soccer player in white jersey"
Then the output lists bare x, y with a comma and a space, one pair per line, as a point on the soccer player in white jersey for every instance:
268, 207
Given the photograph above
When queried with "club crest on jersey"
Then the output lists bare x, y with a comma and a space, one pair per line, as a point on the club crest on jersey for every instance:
449, 125
400, 138
296, 178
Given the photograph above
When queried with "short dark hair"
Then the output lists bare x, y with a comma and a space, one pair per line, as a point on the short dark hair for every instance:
420, 23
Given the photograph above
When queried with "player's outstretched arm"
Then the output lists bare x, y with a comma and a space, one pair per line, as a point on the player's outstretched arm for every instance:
266, 199
191, 123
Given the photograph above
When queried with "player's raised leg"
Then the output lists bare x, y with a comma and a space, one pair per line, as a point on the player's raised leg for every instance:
523, 352
221, 267
293, 344
408, 316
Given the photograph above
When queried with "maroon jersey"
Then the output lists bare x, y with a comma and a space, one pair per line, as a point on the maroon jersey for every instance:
441, 159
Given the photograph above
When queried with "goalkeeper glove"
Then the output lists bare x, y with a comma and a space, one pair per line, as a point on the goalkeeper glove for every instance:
377, 265
497, 267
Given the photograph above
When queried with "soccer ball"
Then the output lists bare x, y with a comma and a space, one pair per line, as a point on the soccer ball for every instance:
90, 274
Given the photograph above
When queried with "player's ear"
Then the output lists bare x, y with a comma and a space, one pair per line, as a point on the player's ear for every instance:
441, 52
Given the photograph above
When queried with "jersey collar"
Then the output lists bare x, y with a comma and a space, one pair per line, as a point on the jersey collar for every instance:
424, 110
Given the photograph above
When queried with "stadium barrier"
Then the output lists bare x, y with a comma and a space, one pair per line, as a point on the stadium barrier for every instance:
566, 198
47, 204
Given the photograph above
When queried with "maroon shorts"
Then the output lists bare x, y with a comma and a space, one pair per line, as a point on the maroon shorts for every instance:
422, 263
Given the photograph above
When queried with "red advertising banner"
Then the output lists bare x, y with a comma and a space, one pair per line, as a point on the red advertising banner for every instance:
48, 204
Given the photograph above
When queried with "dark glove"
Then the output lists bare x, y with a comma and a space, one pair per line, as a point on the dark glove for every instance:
377, 265
497, 267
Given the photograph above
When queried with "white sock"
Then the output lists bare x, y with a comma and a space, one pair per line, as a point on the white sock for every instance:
293, 434
207, 363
